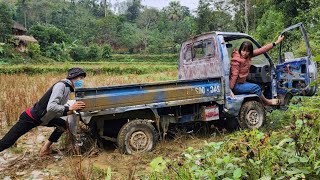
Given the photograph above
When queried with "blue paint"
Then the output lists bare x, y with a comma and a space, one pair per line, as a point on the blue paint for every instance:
156, 93
295, 74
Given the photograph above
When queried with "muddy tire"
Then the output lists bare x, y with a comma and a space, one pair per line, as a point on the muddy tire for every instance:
252, 115
137, 136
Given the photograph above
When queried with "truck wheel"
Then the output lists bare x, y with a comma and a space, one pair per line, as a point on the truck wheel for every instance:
252, 115
137, 136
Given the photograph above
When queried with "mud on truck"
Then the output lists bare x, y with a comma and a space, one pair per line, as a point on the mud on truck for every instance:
134, 115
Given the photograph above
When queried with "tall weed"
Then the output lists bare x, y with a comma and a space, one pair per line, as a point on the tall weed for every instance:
289, 152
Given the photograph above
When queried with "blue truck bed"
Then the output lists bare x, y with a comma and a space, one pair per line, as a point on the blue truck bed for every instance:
151, 95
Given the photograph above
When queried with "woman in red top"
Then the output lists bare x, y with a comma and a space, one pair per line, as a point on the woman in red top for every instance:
240, 65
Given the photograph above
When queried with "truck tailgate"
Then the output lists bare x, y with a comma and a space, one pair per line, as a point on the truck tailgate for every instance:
152, 95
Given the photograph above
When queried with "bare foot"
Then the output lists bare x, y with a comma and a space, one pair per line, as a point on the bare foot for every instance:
272, 102
44, 152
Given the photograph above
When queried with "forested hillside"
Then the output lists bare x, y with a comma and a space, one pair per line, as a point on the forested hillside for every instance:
90, 29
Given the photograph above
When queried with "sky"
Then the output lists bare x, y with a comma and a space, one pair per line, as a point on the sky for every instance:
192, 4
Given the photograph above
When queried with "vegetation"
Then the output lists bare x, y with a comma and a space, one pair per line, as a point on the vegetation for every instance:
288, 148
81, 30
111, 68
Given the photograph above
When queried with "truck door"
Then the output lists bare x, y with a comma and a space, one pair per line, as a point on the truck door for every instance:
295, 71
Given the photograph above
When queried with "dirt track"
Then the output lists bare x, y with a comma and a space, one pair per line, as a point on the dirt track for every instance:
23, 162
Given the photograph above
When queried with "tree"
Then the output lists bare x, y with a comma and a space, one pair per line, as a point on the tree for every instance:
248, 12
108, 28
133, 10
174, 11
176, 27
291, 8
148, 18
5, 21
203, 16
213, 17
146, 21
269, 27
105, 7
129, 36
47, 35
23, 9
221, 21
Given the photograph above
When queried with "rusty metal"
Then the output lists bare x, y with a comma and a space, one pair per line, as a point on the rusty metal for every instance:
115, 99
204, 66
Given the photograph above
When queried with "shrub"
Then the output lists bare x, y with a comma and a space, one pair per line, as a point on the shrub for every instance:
106, 51
33, 50
47, 35
93, 51
78, 53
6, 51
58, 52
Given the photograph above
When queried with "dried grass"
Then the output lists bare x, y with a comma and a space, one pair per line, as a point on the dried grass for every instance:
21, 91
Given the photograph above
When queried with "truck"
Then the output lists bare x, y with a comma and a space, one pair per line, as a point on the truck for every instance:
135, 115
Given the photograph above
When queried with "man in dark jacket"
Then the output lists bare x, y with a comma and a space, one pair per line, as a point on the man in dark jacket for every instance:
48, 112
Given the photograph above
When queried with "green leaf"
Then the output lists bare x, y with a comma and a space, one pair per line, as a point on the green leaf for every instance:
230, 166
219, 161
260, 135
293, 171
317, 165
209, 154
216, 145
258, 162
190, 149
221, 173
188, 156
108, 175
303, 159
292, 160
158, 164
299, 123
226, 159
251, 161
237, 173
286, 140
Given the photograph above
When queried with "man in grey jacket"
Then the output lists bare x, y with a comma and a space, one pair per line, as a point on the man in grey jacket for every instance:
48, 112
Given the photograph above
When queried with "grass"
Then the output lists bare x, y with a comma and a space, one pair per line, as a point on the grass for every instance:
111, 68
21, 91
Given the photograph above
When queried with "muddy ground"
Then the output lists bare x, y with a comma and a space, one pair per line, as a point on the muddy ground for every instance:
22, 161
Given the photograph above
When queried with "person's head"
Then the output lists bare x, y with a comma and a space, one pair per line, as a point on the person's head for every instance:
246, 50
76, 76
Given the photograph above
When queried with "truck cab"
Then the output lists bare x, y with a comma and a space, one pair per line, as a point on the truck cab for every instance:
209, 55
